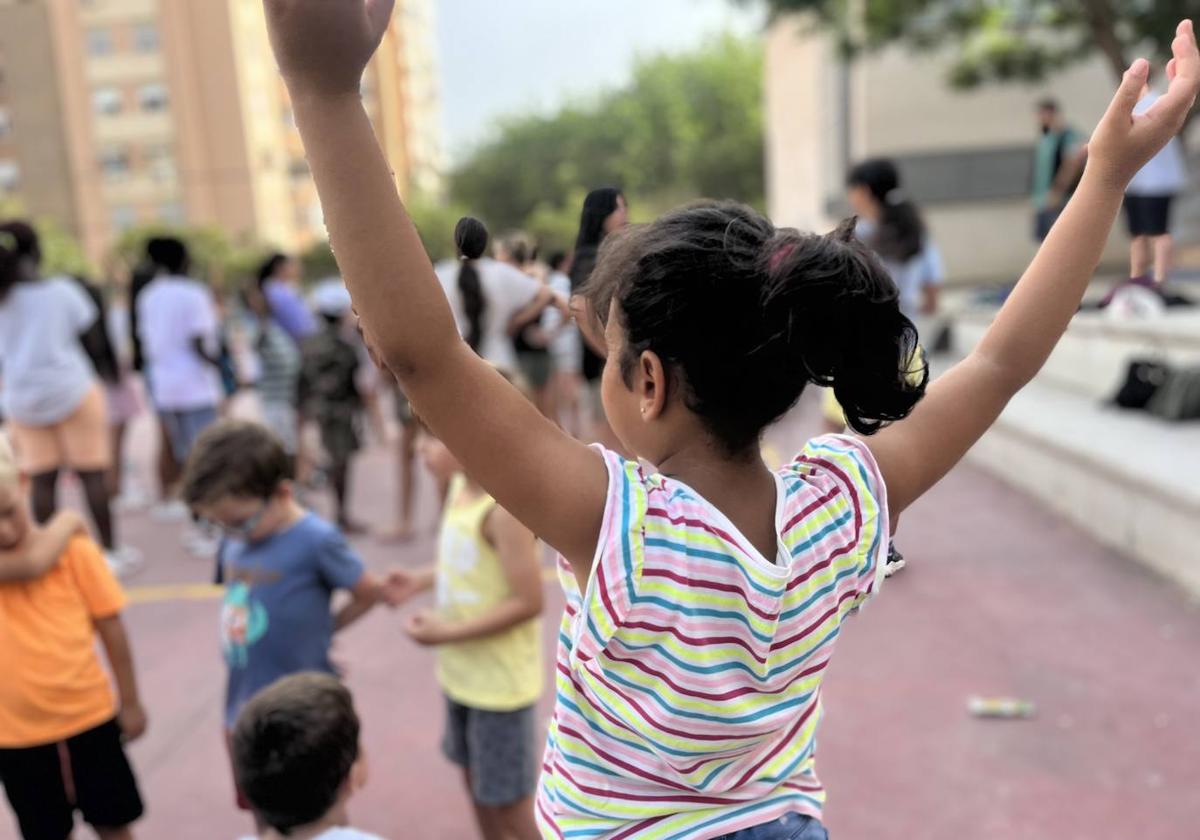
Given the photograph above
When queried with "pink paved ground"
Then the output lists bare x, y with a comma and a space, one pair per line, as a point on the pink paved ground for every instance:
1000, 598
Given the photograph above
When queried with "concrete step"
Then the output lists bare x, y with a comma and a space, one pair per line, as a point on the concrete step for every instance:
1092, 359
1128, 479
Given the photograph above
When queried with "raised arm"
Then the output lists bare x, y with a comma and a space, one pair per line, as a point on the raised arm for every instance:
960, 406
518, 456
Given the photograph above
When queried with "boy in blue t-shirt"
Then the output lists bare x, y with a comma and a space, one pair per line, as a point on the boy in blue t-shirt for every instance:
282, 563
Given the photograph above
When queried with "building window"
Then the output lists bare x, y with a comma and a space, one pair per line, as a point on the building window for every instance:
123, 217
10, 175
114, 163
172, 213
107, 102
160, 163
152, 97
145, 38
99, 42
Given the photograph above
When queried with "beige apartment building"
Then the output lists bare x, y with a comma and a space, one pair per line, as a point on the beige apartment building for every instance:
117, 113
965, 156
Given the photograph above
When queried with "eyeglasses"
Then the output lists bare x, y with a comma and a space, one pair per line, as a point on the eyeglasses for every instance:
235, 530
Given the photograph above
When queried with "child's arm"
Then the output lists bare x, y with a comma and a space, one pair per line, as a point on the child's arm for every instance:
38, 554
960, 406
131, 717
322, 47
545, 298
403, 584
517, 549
364, 595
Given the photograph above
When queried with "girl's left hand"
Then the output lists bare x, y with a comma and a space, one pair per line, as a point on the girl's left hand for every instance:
425, 628
323, 46
1123, 142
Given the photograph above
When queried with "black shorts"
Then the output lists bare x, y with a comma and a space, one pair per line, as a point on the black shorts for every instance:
88, 773
1148, 215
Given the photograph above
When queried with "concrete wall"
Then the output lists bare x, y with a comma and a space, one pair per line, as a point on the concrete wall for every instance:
965, 156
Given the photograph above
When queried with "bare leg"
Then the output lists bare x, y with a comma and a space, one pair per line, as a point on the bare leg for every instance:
406, 457
1139, 256
513, 822
488, 830
123, 833
1164, 253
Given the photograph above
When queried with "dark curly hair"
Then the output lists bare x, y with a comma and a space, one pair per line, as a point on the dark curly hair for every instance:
745, 315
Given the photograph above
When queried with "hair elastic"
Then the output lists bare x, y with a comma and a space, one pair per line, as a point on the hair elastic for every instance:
781, 253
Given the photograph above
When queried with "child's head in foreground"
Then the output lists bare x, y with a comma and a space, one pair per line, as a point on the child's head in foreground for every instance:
296, 752
239, 479
14, 508
715, 321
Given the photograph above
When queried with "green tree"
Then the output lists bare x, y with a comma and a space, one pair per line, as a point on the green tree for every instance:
685, 126
215, 257
61, 252
1004, 40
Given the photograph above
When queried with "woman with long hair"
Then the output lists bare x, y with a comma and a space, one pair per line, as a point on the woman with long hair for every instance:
604, 211
53, 399
892, 226
279, 282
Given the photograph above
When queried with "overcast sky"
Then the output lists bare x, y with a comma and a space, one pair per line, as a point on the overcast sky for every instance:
498, 57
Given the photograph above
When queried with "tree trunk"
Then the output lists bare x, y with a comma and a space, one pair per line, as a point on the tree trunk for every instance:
1102, 21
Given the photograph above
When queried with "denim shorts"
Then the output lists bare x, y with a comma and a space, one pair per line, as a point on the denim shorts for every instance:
787, 827
183, 427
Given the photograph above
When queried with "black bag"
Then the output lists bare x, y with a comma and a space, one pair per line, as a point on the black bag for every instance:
1143, 379
1179, 397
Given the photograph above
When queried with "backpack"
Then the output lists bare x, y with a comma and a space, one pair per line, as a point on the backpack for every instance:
1179, 397
1143, 379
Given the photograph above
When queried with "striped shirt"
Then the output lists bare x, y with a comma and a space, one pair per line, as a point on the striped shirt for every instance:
689, 673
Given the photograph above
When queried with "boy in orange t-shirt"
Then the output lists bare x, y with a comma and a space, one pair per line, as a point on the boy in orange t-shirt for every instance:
61, 730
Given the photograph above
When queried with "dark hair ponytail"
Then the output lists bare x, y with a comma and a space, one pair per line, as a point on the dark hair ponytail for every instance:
744, 316
471, 239
10, 263
269, 266
900, 234
19, 244
838, 311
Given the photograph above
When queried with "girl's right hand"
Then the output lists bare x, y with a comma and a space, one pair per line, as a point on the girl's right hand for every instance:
1123, 142
323, 46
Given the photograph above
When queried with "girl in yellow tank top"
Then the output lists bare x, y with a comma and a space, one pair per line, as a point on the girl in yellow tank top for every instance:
488, 587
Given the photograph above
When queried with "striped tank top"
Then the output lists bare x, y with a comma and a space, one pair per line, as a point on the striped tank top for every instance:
689, 673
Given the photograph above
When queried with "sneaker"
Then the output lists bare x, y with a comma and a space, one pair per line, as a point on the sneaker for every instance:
174, 511
124, 561
201, 545
131, 500
894, 563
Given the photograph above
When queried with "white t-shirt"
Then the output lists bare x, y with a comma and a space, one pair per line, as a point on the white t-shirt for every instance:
567, 345
1166, 172
45, 371
172, 313
506, 290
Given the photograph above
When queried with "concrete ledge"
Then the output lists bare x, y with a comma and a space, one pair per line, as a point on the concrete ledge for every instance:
1129, 480
1093, 356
